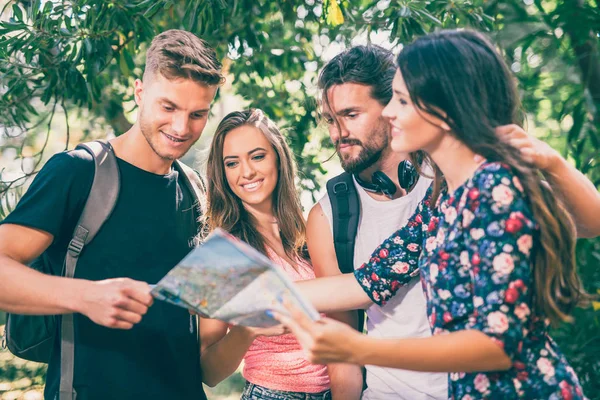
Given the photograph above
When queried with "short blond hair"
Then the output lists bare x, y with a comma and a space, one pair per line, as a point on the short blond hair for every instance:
179, 54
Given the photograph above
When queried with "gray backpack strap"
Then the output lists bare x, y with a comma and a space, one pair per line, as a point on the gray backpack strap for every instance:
197, 188
98, 207
194, 183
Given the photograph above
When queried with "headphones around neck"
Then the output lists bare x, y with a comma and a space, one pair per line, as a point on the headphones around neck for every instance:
381, 183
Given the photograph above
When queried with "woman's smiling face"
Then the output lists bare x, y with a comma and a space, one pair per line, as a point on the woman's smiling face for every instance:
411, 128
251, 165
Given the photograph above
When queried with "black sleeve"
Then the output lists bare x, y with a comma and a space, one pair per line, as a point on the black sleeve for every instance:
57, 195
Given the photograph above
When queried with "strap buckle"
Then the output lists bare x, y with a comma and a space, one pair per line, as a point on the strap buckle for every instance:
75, 247
340, 188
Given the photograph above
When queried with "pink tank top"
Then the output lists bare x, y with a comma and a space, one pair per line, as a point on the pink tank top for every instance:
278, 362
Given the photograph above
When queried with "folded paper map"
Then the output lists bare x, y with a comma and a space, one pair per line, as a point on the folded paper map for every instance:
226, 279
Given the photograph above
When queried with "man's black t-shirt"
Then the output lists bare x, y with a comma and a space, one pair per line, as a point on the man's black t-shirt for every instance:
151, 229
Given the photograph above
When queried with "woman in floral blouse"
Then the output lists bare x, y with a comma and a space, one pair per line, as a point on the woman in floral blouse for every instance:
494, 248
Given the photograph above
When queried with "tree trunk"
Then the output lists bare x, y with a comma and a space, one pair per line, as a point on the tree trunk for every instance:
111, 109
119, 123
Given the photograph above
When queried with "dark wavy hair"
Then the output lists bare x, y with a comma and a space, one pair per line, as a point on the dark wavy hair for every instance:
459, 77
365, 65
368, 65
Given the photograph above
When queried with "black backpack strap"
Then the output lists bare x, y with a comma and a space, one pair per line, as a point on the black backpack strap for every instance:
98, 207
345, 206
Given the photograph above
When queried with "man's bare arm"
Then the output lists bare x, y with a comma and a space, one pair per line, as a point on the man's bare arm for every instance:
346, 379
115, 303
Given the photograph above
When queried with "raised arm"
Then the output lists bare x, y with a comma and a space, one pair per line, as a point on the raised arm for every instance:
579, 193
346, 379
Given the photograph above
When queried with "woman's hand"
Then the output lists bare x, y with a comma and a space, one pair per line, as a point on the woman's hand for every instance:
324, 341
533, 150
580, 195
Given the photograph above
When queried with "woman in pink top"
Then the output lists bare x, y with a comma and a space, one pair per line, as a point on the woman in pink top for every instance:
252, 195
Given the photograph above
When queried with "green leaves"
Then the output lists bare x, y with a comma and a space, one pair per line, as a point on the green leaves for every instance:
17, 13
85, 55
126, 63
6, 27
69, 46
153, 9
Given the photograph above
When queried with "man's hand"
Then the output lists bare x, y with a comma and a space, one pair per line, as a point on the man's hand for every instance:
115, 303
533, 150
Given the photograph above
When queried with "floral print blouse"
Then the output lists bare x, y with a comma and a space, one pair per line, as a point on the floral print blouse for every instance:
475, 253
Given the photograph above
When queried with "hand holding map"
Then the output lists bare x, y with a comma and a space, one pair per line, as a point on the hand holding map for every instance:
226, 279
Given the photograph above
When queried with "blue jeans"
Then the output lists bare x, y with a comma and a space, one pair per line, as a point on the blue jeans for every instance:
255, 392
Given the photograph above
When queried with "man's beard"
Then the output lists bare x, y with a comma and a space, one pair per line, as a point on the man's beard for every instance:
152, 136
370, 153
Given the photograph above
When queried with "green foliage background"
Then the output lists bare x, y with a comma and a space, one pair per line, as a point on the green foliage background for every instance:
75, 61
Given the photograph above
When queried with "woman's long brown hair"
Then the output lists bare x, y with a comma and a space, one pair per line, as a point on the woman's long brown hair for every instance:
462, 74
225, 209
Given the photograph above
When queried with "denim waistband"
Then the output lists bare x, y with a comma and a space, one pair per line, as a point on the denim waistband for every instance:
256, 392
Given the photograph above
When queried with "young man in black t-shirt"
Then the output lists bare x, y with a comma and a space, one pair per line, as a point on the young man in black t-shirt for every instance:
153, 353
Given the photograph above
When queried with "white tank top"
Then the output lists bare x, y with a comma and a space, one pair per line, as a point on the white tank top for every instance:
405, 315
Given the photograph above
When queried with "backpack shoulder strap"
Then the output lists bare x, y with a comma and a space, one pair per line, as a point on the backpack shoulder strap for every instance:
194, 183
102, 197
98, 207
345, 206
197, 188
